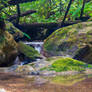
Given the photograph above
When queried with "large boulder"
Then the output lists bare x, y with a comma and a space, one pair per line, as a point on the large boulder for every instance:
74, 41
8, 49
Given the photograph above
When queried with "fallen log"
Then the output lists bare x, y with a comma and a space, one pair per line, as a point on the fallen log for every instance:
22, 14
47, 25
40, 31
40, 25
15, 2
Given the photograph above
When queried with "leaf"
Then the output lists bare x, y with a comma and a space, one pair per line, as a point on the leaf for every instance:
26, 35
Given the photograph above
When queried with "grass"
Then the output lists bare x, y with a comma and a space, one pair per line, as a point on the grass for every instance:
68, 64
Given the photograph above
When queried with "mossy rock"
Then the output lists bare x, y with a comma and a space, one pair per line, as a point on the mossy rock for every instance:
8, 49
67, 64
28, 51
25, 69
74, 41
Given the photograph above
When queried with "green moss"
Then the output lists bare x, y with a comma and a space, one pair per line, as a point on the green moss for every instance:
68, 64
69, 40
28, 50
13, 30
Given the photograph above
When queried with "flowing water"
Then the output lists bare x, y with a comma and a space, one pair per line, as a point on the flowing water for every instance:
36, 45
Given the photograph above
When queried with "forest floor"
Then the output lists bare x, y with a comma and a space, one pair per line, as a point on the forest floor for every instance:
17, 83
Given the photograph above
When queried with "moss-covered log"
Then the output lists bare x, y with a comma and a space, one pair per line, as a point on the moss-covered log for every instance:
40, 31
46, 25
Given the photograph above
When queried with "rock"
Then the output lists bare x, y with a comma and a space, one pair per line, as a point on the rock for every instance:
34, 73
12, 68
48, 73
74, 41
41, 64
25, 69
8, 46
8, 49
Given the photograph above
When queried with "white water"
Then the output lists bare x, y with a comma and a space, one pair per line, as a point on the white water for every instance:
2, 90
38, 48
36, 45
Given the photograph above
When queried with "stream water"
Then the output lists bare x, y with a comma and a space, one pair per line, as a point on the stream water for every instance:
13, 82
37, 46
19, 83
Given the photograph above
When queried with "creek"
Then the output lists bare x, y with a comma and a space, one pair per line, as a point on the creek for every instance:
37, 46
19, 83
15, 82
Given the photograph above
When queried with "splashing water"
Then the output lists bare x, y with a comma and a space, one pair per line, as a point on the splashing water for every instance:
3, 90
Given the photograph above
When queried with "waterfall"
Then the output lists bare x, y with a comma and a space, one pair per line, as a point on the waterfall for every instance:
17, 61
38, 48
36, 45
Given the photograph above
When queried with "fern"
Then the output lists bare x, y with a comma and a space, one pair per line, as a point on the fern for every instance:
26, 35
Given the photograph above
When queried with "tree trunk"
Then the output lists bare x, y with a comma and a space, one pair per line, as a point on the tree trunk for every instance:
2, 24
69, 5
12, 17
18, 14
60, 6
82, 9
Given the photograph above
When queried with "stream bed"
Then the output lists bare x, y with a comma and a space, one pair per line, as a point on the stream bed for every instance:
11, 82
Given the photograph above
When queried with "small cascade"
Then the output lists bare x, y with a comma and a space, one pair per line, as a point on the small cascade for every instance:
38, 48
22, 63
36, 45
17, 61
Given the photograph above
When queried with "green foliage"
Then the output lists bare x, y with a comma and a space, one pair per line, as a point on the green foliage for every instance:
48, 10
3, 3
26, 35
44, 9
69, 64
